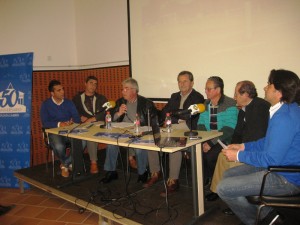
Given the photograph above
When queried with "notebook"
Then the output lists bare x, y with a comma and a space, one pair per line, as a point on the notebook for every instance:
166, 141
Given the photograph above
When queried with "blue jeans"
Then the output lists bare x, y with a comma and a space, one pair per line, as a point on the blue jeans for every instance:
59, 144
112, 157
245, 180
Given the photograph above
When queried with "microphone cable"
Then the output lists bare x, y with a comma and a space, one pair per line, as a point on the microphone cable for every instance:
168, 207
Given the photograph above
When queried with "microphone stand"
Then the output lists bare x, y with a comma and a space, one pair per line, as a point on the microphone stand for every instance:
190, 133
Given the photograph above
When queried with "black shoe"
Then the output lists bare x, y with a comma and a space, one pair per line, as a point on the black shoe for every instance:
143, 177
109, 176
228, 212
211, 197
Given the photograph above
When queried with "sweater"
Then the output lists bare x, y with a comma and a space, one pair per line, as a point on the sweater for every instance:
52, 113
280, 146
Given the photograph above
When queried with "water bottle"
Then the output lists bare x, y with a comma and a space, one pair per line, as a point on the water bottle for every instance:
137, 124
108, 120
168, 122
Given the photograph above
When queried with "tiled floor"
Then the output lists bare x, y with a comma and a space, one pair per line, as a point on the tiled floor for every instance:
36, 207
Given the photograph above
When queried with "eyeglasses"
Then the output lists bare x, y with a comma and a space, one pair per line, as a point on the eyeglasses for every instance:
127, 88
209, 89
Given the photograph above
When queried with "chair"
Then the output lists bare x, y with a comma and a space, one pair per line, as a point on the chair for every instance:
274, 201
49, 149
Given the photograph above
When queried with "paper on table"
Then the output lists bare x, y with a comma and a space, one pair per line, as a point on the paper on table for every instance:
222, 144
121, 124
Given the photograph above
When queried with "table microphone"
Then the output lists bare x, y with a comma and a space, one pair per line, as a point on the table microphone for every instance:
193, 109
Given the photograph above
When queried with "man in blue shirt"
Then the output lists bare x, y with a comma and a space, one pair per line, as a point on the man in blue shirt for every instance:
57, 111
280, 147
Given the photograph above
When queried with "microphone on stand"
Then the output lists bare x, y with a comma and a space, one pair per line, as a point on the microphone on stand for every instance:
109, 105
193, 109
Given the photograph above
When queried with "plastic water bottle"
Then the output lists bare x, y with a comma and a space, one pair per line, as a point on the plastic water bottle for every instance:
137, 124
168, 123
108, 120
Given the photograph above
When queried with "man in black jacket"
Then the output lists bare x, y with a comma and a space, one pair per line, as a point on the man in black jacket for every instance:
125, 111
89, 106
181, 100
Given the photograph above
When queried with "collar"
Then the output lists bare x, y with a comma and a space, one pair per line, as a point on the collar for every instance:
244, 107
186, 94
56, 102
274, 108
133, 101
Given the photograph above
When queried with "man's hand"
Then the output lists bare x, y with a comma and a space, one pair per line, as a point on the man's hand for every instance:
231, 155
87, 120
122, 110
64, 124
206, 147
232, 150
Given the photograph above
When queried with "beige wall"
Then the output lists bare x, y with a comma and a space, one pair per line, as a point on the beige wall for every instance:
65, 34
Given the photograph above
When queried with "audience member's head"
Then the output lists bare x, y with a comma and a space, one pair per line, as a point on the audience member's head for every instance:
287, 83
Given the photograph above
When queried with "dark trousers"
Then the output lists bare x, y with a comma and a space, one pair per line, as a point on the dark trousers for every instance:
210, 160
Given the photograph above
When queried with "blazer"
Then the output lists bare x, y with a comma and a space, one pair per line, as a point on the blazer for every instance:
173, 106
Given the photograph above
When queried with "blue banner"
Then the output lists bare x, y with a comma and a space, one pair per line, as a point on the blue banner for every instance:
15, 114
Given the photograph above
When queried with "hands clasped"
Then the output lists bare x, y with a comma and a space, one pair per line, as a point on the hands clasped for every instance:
231, 151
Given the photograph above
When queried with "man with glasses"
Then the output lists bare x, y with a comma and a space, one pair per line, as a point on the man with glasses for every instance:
125, 111
221, 115
89, 106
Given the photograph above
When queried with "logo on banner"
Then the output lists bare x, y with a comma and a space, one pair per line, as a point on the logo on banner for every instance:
12, 100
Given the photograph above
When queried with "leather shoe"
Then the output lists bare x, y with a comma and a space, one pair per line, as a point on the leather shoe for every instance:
109, 176
172, 187
211, 197
228, 212
143, 177
153, 179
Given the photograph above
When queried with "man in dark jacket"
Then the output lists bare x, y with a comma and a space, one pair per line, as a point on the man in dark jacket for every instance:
89, 106
181, 100
125, 111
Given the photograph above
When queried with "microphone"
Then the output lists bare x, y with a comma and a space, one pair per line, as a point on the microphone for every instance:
193, 109
109, 105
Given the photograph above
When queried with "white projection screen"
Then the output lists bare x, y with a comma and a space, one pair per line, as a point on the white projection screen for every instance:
234, 39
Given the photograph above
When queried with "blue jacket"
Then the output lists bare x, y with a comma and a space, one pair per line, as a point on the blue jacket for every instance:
52, 113
280, 146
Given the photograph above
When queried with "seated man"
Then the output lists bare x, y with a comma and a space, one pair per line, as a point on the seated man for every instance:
59, 112
252, 124
125, 111
221, 115
89, 106
280, 147
181, 100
